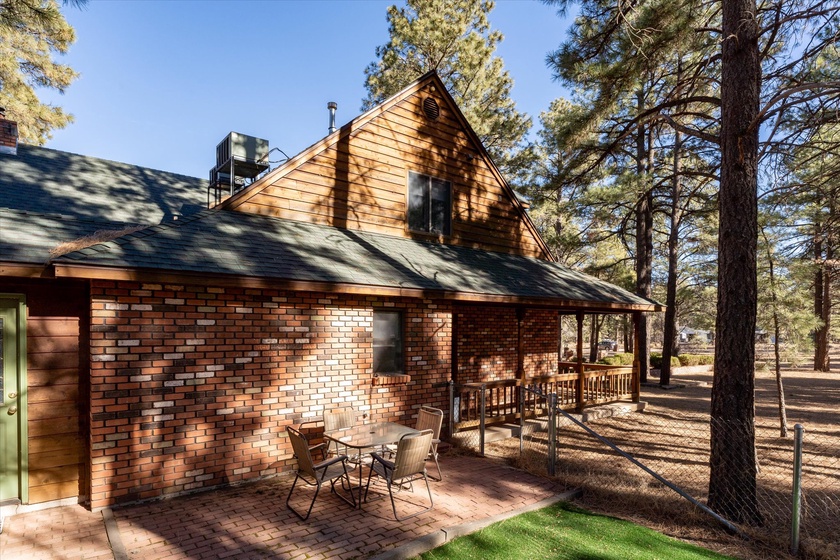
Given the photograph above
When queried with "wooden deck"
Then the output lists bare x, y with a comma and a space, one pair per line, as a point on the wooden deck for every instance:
500, 402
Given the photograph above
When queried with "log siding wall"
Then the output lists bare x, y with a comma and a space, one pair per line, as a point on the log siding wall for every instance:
191, 387
360, 182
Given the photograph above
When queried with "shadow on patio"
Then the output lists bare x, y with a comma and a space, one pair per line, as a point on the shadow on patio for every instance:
251, 521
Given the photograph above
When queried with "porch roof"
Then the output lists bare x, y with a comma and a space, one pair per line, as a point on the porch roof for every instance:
246, 249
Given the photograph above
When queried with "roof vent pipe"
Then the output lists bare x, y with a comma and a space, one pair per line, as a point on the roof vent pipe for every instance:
332, 106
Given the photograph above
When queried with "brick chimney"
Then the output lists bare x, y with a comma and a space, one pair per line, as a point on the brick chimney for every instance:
8, 134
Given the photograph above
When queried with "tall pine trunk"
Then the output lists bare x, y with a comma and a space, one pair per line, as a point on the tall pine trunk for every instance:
777, 331
669, 339
823, 255
644, 236
732, 480
820, 333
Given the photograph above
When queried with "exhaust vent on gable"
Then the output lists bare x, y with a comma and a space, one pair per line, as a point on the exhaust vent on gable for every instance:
431, 109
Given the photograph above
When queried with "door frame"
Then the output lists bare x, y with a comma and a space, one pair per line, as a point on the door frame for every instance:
17, 302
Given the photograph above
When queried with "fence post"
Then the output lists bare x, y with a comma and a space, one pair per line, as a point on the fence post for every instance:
799, 431
521, 417
552, 433
451, 407
481, 423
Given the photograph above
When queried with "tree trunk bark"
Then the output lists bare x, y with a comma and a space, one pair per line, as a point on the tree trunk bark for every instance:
644, 237
732, 480
594, 334
780, 389
669, 338
821, 362
628, 333
825, 315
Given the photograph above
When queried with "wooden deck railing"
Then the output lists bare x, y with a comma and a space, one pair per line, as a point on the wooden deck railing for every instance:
599, 384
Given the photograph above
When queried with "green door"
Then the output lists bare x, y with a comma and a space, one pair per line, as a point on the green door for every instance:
10, 413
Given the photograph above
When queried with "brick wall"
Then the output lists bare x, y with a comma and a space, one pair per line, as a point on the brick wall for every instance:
8, 136
191, 387
487, 343
540, 333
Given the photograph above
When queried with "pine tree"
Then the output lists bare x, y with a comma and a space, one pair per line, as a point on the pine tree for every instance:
454, 39
623, 73
32, 32
758, 66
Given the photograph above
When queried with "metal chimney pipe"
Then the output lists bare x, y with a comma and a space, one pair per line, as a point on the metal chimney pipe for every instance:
332, 106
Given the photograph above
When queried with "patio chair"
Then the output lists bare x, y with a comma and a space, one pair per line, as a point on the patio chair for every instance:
316, 474
429, 418
336, 420
408, 465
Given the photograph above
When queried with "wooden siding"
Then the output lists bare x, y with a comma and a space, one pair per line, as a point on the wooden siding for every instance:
55, 444
57, 324
359, 181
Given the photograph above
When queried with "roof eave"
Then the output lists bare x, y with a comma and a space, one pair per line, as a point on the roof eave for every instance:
25, 270
69, 270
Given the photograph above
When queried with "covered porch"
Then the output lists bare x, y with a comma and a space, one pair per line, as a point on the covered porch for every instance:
482, 397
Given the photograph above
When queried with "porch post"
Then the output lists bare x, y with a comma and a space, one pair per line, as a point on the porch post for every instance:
520, 345
580, 380
637, 327
559, 341
453, 352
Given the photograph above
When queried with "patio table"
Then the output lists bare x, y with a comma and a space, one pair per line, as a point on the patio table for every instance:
366, 436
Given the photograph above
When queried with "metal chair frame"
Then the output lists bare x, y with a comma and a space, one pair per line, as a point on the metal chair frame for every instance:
430, 418
316, 474
408, 465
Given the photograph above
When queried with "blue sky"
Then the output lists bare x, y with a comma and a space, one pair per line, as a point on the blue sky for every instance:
163, 82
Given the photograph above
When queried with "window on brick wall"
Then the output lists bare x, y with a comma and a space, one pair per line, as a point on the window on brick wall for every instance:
387, 342
429, 204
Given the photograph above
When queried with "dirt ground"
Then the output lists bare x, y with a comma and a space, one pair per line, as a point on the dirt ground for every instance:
676, 445
812, 399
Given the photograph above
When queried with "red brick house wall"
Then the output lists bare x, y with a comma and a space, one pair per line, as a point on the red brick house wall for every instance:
540, 332
192, 386
488, 343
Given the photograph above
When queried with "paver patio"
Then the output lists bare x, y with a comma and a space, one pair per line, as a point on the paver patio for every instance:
251, 521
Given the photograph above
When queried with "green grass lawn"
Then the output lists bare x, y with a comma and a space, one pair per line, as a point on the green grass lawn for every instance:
563, 531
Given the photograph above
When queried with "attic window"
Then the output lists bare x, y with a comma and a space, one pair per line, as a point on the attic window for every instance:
431, 108
429, 204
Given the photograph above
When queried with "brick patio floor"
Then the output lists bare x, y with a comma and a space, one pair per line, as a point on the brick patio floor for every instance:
252, 522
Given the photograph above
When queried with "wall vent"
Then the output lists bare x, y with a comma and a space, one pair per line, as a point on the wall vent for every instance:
431, 108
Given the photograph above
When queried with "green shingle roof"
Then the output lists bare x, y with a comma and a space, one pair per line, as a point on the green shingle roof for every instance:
235, 243
49, 196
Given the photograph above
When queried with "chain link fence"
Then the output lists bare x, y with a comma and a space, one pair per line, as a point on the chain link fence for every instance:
673, 450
